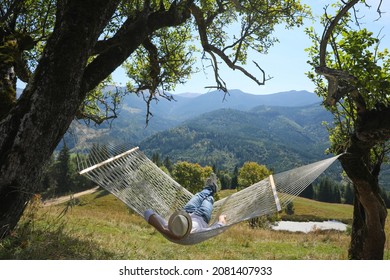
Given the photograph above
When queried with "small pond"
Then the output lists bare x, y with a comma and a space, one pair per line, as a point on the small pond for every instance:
309, 226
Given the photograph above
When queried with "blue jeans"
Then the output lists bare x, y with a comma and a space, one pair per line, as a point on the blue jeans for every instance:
201, 204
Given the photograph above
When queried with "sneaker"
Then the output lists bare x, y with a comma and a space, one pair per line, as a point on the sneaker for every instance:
211, 183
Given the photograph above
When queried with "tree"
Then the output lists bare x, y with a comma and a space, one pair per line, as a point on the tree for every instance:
192, 176
156, 159
235, 177
63, 171
328, 191
308, 192
168, 164
60, 175
225, 178
65, 51
358, 95
348, 194
250, 173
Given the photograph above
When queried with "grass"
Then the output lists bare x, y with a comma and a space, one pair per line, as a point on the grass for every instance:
101, 227
309, 210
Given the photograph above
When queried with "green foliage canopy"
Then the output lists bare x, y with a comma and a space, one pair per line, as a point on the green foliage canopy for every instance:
358, 53
192, 176
250, 173
155, 41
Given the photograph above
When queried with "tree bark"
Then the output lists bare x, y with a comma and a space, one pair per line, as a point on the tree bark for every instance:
7, 73
32, 129
368, 235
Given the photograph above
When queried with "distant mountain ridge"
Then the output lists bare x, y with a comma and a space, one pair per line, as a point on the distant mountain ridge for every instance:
186, 106
280, 137
239, 100
131, 126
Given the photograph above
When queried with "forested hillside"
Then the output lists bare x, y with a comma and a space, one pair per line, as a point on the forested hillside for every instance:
278, 137
130, 125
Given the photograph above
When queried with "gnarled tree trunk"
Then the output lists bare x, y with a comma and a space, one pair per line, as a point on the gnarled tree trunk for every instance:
32, 129
369, 216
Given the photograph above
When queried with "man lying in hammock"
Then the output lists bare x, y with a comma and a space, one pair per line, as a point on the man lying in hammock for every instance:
194, 217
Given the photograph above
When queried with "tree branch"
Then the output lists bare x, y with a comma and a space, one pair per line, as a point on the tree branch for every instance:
328, 31
340, 83
213, 51
155, 70
113, 52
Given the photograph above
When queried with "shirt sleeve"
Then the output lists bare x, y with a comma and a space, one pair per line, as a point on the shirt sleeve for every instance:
216, 225
150, 212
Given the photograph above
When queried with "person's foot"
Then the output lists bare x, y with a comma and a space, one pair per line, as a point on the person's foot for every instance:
211, 183
222, 219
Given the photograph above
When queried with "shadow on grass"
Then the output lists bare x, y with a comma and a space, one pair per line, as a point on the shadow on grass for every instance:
50, 245
102, 193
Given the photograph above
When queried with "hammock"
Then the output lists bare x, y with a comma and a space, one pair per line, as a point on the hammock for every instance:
141, 185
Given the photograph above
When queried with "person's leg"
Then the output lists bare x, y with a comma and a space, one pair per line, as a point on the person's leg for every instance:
205, 209
196, 201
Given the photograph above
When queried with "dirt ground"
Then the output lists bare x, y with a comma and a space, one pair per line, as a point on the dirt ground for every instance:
65, 198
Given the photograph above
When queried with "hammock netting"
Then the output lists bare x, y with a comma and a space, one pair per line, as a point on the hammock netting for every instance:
134, 179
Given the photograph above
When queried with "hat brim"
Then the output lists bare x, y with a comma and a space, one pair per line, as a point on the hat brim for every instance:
180, 224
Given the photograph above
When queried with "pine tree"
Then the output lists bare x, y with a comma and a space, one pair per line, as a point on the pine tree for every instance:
328, 191
156, 159
336, 193
308, 192
290, 209
234, 181
63, 172
225, 179
168, 164
348, 194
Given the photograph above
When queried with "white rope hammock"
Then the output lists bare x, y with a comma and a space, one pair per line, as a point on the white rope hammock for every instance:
141, 185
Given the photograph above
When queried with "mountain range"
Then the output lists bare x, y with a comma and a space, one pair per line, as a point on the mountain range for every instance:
279, 130
282, 130
131, 126
185, 106
279, 137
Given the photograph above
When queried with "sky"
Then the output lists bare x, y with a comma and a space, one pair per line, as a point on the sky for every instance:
286, 61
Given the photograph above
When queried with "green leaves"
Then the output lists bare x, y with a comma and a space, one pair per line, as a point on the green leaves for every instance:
250, 173
358, 53
192, 176
165, 61
156, 40
227, 31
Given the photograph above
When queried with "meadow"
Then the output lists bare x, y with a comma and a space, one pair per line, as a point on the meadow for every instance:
98, 227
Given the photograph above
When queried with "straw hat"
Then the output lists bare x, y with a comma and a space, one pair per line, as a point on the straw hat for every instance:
180, 224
